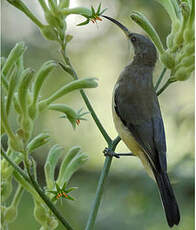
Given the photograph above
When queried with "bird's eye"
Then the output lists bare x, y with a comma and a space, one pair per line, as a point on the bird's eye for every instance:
133, 39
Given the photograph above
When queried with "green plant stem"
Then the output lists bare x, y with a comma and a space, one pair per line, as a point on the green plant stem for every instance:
164, 87
160, 78
15, 166
100, 186
31, 180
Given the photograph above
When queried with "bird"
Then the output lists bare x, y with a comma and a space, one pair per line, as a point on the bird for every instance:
138, 120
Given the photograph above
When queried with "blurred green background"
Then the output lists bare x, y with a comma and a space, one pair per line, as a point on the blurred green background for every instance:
131, 199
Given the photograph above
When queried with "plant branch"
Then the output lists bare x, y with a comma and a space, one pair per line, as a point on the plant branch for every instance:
164, 87
15, 166
160, 78
100, 186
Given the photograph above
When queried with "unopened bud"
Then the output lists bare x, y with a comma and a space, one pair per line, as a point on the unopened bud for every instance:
168, 59
37, 141
49, 33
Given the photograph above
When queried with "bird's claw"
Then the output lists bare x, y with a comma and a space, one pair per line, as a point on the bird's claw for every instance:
109, 152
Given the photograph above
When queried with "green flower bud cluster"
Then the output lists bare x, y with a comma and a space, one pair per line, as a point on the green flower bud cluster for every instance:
9, 214
21, 89
179, 55
55, 14
71, 162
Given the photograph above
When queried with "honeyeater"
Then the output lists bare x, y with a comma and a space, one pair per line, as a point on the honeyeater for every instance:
138, 121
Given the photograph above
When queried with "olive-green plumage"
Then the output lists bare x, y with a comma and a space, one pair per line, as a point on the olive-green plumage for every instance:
138, 120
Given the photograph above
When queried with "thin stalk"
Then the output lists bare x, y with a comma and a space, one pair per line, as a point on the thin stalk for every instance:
15, 166
164, 87
160, 78
100, 187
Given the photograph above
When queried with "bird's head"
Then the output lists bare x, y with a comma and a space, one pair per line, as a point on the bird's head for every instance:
145, 51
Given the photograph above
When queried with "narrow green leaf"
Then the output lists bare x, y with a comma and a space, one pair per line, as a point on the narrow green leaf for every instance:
83, 23
98, 9
93, 11
53, 192
58, 188
70, 197
71, 189
64, 186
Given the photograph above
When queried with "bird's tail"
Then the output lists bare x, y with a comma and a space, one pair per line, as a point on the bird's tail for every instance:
168, 199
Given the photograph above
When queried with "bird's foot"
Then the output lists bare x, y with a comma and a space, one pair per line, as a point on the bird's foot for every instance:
109, 152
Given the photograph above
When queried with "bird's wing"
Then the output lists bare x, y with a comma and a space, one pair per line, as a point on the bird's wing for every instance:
148, 130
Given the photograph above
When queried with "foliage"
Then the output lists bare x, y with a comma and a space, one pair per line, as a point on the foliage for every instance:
21, 93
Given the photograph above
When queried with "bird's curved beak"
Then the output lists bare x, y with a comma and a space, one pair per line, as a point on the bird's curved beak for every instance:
123, 28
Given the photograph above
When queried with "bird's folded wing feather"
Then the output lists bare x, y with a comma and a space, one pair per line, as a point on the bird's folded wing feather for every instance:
146, 127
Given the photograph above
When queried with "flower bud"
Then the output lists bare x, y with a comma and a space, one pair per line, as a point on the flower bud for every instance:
141, 20
52, 223
40, 77
6, 188
15, 53
27, 127
53, 20
73, 85
168, 59
74, 165
10, 214
67, 159
71, 115
170, 38
11, 89
40, 213
16, 104
189, 48
23, 87
183, 73
49, 33
50, 165
188, 34
37, 141
15, 144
